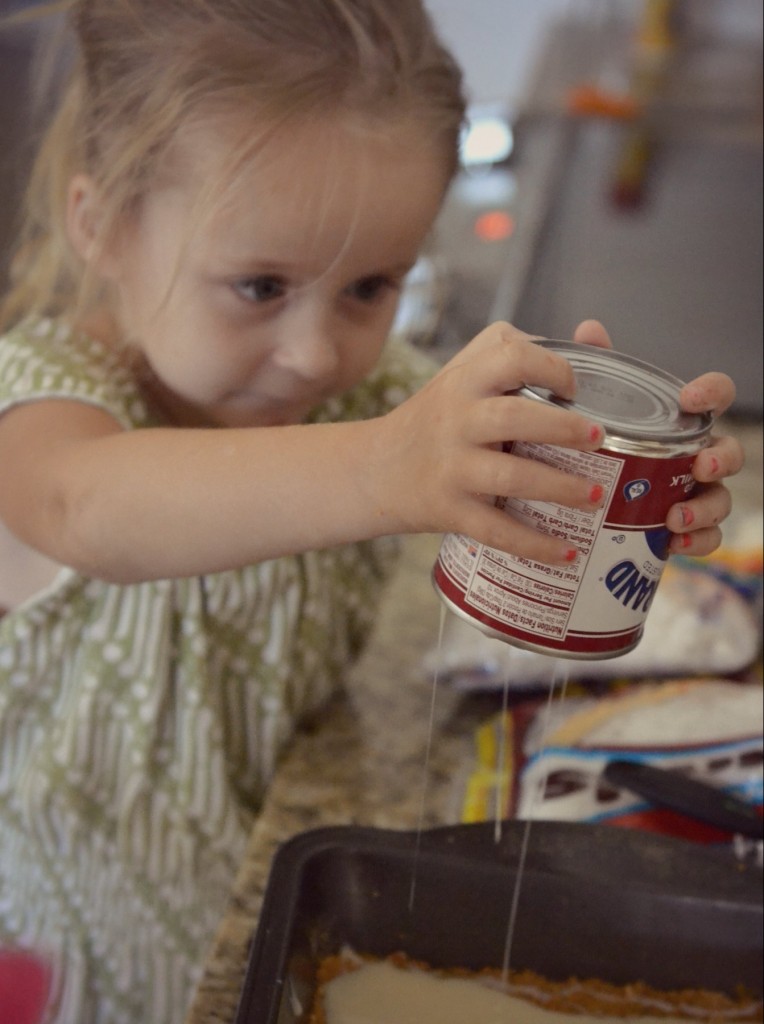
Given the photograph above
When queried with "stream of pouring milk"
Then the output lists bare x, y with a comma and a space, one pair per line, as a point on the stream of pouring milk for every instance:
558, 672
426, 767
558, 676
502, 788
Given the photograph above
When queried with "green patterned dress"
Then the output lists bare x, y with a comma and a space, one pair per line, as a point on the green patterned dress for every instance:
139, 725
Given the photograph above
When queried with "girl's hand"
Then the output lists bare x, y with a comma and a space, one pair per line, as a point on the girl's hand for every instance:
439, 465
695, 523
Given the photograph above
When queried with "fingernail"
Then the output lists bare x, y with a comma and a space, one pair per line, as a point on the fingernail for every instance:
714, 466
571, 554
596, 433
688, 516
596, 494
686, 540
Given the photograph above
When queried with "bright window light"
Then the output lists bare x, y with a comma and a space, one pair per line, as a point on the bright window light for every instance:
487, 139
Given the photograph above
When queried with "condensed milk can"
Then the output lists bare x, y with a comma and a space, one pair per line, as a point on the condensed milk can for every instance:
596, 606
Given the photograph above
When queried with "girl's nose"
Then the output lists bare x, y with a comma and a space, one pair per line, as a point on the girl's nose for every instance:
307, 347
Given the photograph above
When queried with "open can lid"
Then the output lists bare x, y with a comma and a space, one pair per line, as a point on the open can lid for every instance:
631, 398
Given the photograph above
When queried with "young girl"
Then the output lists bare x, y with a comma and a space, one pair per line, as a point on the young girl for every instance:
206, 439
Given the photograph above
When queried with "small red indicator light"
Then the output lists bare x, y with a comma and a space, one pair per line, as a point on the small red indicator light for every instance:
494, 226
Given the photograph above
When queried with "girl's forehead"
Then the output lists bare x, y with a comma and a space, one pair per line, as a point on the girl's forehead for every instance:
310, 170
222, 151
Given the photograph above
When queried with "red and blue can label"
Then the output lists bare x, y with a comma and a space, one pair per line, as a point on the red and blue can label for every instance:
596, 606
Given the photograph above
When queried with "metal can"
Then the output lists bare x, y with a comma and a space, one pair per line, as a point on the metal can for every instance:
596, 606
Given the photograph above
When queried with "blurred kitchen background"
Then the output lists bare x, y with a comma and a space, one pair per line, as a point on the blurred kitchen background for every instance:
613, 169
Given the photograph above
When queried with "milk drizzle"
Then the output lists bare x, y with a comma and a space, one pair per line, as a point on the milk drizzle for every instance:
426, 766
558, 673
501, 767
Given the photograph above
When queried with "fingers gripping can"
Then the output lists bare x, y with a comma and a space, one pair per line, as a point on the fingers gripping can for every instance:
596, 606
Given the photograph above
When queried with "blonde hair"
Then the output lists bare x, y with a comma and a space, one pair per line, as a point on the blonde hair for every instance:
143, 68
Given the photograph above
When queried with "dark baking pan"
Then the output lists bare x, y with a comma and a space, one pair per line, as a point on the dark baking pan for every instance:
595, 901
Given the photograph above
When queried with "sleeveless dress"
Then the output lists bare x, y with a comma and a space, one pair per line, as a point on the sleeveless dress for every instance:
140, 724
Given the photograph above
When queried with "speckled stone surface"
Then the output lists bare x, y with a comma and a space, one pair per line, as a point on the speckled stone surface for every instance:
362, 761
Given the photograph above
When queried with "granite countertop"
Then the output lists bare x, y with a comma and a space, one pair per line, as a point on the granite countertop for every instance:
362, 761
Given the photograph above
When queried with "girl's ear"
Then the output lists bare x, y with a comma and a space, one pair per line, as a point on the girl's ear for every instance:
83, 225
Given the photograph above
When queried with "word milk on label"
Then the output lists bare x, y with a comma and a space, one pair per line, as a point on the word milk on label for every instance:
596, 606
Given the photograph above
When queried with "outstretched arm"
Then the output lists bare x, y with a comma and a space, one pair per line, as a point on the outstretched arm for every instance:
160, 503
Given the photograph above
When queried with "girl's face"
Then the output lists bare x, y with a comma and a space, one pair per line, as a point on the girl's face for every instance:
281, 295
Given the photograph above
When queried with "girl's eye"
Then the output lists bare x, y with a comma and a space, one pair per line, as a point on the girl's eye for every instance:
367, 289
264, 288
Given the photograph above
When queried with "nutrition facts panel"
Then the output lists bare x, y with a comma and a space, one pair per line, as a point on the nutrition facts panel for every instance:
533, 596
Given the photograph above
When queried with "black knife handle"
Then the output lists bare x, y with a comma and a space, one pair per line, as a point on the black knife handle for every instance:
688, 796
